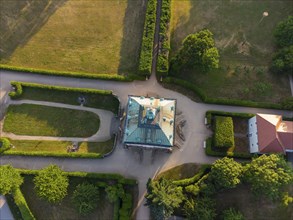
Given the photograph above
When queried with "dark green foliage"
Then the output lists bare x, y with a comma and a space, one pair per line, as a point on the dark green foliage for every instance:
22, 205
146, 53
232, 214
10, 179
163, 197
51, 183
85, 198
113, 77
200, 209
283, 61
226, 173
163, 55
268, 174
103, 99
125, 210
198, 50
284, 32
115, 192
224, 133
288, 103
4, 144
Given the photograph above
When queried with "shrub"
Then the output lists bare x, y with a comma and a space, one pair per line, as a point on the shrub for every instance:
232, 214
224, 134
284, 32
146, 53
10, 179
51, 184
85, 198
203, 209
4, 144
22, 205
125, 210
209, 115
115, 192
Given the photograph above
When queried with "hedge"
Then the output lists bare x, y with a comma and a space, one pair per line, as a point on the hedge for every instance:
126, 207
209, 115
113, 77
146, 53
209, 151
22, 205
224, 101
5, 145
224, 132
164, 34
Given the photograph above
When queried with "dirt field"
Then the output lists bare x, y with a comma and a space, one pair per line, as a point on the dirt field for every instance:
245, 41
93, 36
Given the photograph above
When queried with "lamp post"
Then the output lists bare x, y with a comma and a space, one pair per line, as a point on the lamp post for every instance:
265, 14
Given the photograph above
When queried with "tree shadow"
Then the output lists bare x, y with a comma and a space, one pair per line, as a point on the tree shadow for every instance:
133, 25
21, 19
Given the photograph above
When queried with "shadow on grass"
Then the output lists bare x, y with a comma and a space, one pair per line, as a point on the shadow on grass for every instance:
132, 35
21, 19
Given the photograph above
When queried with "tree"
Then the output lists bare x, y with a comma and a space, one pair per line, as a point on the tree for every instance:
232, 214
283, 61
115, 192
51, 184
200, 209
284, 32
163, 197
10, 179
85, 198
226, 173
268, 174
198, 50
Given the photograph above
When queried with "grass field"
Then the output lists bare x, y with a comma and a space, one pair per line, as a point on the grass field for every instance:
43, 210
183, 171
94, 36
245, 42
61, 146
37, 120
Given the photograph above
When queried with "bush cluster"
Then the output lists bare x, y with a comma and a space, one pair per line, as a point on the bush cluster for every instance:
164, 34
146, 53
194, 179
224, 132
113, 77
224, 101
5, 144
126, 207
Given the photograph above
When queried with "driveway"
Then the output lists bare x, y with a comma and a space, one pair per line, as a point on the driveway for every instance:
126, 162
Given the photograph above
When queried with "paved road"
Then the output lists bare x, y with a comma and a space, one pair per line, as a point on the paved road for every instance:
5, 213
102, 134
126, 162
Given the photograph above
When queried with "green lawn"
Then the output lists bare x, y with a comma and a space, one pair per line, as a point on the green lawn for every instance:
107, 102
43, 210
61, 146
245, 43
94, 36
37, 120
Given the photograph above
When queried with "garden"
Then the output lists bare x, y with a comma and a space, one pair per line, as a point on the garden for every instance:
54, 194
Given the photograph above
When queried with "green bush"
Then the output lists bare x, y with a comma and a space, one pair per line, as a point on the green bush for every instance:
5, 145
126, 207
209, 115
10, 179
85, 198
224, 132
232, 214
146, 53
22, 205
113, 77
163, 55
194, 179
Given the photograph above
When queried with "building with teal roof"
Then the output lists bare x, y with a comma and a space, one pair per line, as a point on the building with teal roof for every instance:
150, 122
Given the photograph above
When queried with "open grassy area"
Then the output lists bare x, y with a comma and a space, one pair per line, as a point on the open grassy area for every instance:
243, 200
94, 36
245, 42
107, 102
65, 210
37, 120
61, 146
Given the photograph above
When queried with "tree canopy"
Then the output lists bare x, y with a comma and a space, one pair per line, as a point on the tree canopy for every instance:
226, 173
10, 179
200, 209
163, 197
284, 32
51, 183
283, 61
198, 50
268, 174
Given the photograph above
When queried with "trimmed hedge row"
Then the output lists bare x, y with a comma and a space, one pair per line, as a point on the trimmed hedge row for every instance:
146, 53
22, 205
209, 115
224, 132
5, 145
126, 207
223, 101
195, 178
164, 34
209, 151
113, 77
